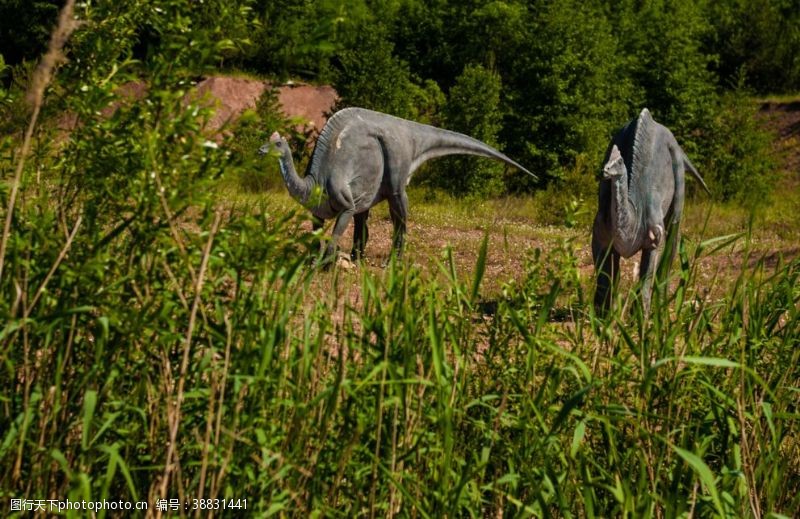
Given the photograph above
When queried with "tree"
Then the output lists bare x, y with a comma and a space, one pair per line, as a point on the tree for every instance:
663, 44
567, 89
760, 38
473, 108
370, 76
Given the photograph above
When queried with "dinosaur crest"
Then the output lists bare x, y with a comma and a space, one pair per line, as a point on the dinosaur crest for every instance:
642, 140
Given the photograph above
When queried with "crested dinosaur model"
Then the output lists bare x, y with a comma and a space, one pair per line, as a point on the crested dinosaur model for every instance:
363, 157
640, 203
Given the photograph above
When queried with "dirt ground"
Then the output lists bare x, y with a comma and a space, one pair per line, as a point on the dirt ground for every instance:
783, 119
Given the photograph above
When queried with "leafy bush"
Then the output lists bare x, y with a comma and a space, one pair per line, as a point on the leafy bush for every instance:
662, 42
473, 109
570, 89
740, 162
371, 77
252, 130
760, 39
572, 199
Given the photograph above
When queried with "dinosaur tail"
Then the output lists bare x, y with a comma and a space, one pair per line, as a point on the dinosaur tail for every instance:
440, 143
690, 167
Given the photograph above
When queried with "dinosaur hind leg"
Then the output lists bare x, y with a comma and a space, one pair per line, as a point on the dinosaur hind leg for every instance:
360, 235
673, 219
344, 199
398, 210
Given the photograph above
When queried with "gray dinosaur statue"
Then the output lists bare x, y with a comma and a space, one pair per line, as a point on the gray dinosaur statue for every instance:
640, 203
363, 157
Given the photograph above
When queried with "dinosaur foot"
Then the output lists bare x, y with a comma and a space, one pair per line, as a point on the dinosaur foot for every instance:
344, 261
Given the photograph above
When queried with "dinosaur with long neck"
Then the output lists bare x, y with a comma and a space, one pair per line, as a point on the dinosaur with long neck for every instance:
640, 203
363, 157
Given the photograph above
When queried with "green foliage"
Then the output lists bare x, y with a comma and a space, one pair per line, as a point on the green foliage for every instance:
370, 77
571, 90
572, 199
760, 39
301, 38
25, 27
252, 130
741, 162
662, 41
473, 109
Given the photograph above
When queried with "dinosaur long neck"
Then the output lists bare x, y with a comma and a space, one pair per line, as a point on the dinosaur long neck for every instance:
431, 143
623, 213
299, 187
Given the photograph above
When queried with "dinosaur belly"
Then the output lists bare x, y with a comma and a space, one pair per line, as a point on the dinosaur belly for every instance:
627, 248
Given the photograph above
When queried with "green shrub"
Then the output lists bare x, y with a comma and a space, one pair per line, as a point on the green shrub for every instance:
569, 89
252, 130
370, 76
572, 198
738, 153
473, 109
760, 39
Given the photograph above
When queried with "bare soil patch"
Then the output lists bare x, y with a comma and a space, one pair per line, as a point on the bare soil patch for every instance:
783, 120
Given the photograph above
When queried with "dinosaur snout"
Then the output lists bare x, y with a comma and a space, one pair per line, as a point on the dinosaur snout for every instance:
273, 143
615, 165
612, 171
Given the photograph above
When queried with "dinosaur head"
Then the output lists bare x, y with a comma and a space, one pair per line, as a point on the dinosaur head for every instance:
276, 142
615, 166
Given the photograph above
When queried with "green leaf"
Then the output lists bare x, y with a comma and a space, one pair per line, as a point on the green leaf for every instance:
89, 403
577, 438
480, 267
705, 474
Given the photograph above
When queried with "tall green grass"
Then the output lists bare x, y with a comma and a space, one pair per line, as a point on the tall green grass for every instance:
157, 342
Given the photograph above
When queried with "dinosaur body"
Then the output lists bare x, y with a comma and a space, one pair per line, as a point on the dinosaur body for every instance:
363, 157
640, 202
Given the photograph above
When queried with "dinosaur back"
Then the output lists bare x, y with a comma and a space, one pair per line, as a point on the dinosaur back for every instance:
327, 136
643, 134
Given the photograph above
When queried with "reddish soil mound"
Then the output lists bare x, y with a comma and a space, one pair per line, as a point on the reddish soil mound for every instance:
232, 96
313, 103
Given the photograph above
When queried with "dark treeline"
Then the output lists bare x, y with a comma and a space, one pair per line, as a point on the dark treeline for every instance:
547, 81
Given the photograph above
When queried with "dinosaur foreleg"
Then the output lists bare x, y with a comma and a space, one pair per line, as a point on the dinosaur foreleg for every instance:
342, 221
606, 262
398, 210
360, 235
